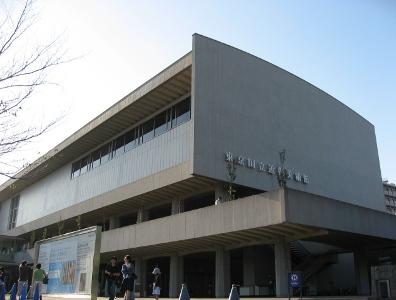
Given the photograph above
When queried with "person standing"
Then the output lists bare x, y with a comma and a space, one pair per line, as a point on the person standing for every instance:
112, 272
157, 282
38, 279
24, 273
128, 278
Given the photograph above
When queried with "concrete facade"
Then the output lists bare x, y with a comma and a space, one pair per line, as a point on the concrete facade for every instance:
171, 200
323, 138
390, 197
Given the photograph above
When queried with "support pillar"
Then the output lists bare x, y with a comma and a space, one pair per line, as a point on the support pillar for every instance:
143, 281
282, 266
175, 276
177, 206
114, 222
222, 279
361, 273
141, 215
139, 273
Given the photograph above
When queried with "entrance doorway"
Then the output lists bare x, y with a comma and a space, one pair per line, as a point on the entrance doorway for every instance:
199, 274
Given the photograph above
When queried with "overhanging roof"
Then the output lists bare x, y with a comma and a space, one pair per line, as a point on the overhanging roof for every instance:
161, 90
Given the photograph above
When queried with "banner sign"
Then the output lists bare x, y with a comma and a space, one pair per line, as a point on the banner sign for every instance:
69, 261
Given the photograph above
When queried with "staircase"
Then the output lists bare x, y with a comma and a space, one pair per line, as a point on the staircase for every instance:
304, 261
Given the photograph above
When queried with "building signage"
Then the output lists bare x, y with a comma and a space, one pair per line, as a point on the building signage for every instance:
295, 279
266, 168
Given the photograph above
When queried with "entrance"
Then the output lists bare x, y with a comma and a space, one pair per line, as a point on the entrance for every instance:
163, 264
199, 274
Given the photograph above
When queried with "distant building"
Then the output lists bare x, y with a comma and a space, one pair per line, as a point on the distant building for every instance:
390, 196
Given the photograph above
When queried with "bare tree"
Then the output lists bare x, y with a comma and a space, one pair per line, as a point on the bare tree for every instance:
23, 68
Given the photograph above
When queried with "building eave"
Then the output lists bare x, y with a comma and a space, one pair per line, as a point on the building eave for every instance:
161, 90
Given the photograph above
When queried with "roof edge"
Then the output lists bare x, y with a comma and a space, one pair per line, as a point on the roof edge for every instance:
179, 65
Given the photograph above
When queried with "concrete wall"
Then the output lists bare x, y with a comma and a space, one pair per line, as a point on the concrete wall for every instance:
58, 190
337, 276
263, 210
252, 108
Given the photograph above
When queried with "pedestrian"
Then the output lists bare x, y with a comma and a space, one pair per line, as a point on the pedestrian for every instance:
38, 279
128, 278
112, 273
24, 273
157, 282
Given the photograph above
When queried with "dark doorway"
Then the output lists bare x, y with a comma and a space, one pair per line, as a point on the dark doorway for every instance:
199, 274
236, 257
163, 263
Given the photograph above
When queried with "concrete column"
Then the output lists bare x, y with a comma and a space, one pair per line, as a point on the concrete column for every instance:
114, 222
177, 206
141, 215
221, 193
143, 281
175, 276
361, 272
222, 279
282, 266
139, 273
249, 272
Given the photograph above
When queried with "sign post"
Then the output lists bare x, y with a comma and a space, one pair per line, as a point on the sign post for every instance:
295, 281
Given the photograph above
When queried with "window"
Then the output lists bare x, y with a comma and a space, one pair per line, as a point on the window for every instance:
160, 124
95, 159
105, 153
169, 118
118, 146
183, 111
84, 165
173, 116
13, 212
131, 140
148, 130
76, 169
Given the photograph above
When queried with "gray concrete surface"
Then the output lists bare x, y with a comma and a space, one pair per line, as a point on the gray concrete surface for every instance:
252, 108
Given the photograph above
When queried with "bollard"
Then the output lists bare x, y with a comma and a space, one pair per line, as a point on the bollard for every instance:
234, 293
23, 292
13, 292
36, 295
184, 293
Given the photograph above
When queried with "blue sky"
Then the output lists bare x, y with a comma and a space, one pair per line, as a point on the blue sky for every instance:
346, 48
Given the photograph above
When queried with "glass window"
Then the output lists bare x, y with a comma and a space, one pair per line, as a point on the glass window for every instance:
118, 146
148, 130
13, 212
105, 153
173, 116
76, 169
183, 111
169, 118
95, 159
130, 140
160, 124
84, 164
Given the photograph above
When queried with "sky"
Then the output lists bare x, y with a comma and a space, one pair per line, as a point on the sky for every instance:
346, 48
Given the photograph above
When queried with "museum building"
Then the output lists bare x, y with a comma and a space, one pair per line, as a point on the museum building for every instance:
221, 169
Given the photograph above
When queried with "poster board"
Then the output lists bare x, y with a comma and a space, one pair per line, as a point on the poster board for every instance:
72, 263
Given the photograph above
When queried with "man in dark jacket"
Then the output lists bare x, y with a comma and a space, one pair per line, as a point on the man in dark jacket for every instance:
113, 273
24, 274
